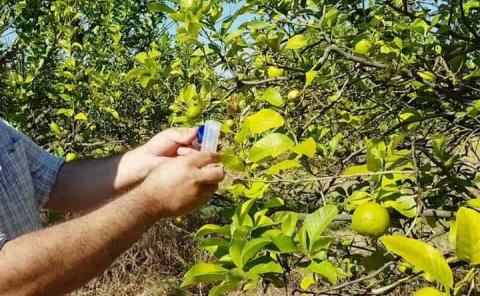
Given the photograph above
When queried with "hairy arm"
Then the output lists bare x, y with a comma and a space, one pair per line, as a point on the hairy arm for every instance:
61, 258
86, 184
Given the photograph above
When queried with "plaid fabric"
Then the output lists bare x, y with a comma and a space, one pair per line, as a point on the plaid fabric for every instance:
27, 175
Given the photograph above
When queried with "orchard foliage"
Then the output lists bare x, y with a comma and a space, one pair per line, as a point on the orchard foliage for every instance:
326, 105
63, 72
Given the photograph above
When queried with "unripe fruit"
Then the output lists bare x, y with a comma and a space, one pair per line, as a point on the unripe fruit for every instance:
273, 72
293, 94
371, 219
70, 157
193, 112
363, 47
242, 104
178, 220
230, 123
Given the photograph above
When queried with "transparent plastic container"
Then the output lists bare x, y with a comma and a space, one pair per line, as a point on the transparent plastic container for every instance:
208, 135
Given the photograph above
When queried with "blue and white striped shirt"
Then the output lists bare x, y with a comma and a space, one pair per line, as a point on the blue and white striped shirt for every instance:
27, 175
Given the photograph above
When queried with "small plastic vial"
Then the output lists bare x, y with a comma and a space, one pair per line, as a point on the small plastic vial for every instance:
208, 135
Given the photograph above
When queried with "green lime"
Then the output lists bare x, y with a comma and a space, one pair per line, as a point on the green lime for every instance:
363, 47
371, 219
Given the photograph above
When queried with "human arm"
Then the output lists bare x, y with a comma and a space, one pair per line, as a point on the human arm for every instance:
63, 257
86, 184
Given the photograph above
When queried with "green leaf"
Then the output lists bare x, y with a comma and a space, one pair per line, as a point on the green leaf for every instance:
420, 26
252, 247
204, 273
290, 223
272, 96
376, 151
471, 5
66, 112
235, 251
212, 228
274, 203
135, 73
422, 256
317, 222
307, 281
55, 129
325, 269
282, 166
80, 116
426, 75
223, 288
356, 170
232, 161
141, 57
284, 243
405, 205
297, 42
309, 77
263, 120
257, 190
307, 148
474, 203
269, 267
159, 7
468, 236
271, 145
429, 291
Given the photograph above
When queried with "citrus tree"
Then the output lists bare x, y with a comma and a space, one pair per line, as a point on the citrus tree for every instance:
332, 108
63, 67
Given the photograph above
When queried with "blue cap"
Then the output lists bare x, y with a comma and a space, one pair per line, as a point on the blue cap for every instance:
200, 131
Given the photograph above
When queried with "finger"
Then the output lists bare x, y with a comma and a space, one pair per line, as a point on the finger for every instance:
212, 174
207, 192
186, 151
183, 136
201, 159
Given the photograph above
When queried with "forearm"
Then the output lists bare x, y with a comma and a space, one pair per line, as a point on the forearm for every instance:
86, 184
63, 257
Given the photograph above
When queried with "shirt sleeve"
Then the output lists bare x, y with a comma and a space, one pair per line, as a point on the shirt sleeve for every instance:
43, 166
3, 239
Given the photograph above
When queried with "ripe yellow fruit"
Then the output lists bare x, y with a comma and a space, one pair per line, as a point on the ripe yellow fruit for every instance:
371, 219
70, 157
428, 292
229, 123
363, 47
178, 220
193, 112
293, 94
273, 72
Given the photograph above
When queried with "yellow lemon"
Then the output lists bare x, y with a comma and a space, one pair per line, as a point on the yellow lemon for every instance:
70, 157
363, 47
273, 72
293, 94
370, 219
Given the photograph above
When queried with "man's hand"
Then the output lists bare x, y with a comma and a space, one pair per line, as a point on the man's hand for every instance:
137, 164
182, 184
98, 180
